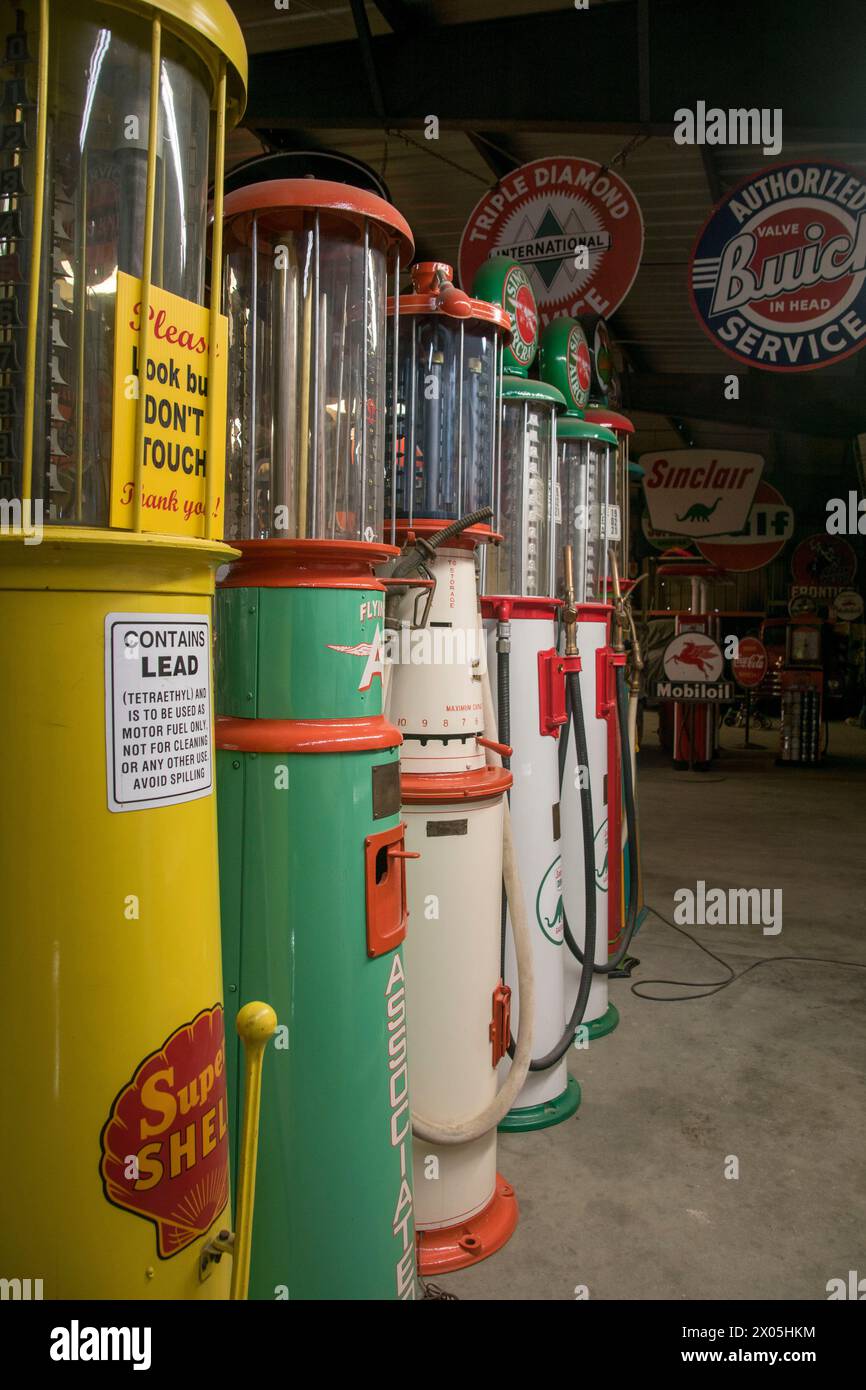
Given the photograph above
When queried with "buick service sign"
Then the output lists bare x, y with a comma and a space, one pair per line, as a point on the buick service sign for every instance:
778, 273
574, 226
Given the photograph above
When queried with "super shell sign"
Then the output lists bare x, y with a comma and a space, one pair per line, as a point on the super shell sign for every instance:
165, 1143
574, 226
778, 272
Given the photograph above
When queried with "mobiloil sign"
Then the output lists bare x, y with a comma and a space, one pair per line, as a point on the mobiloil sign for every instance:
311, 840
110, 953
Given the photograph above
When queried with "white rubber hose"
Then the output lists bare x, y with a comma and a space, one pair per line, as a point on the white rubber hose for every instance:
462, 1131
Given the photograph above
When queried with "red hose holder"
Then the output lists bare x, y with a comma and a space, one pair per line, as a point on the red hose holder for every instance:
552, 671
500, 1024
385, 880
606, 663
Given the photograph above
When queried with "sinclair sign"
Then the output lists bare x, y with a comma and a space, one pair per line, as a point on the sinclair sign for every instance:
574, 226
778, 272
700, 492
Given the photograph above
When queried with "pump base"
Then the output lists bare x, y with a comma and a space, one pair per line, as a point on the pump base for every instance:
550, 1112
456, 1247
599, 1027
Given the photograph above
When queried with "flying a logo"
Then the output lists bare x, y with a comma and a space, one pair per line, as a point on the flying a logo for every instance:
373, 650
778, 272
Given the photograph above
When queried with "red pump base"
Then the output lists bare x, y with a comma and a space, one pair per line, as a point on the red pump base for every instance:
455, 1247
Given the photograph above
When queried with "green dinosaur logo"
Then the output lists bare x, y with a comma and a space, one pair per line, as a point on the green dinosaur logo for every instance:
699, 512
549, 911
601, 857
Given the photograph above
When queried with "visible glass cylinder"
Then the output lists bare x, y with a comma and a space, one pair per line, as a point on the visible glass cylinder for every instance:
447, 389
523, 562
305, 292
587, 479
95, 187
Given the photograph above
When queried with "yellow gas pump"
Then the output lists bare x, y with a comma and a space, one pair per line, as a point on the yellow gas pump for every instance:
113, 1147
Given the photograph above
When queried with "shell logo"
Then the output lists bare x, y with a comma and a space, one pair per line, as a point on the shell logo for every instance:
165, 1144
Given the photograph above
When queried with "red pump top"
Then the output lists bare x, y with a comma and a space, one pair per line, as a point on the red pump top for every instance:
434, 292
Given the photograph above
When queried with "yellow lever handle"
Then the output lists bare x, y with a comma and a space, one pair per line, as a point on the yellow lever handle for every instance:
256, 1024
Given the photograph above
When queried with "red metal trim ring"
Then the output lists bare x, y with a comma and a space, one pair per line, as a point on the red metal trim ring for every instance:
466, 540
326, 195
473, 1239
297, 564
478, 784
305, 735
610, 419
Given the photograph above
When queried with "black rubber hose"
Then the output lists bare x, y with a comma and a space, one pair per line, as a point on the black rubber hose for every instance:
449, 532
631, 836
503, 699
585, 984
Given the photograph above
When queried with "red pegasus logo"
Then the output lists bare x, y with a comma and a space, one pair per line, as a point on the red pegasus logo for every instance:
696, 654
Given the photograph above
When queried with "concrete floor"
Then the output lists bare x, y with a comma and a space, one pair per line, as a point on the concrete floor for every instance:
630, 1198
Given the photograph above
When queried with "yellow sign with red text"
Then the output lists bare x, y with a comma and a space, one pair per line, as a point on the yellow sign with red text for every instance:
178, 398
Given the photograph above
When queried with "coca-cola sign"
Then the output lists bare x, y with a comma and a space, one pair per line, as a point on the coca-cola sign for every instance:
749, 666
778, 272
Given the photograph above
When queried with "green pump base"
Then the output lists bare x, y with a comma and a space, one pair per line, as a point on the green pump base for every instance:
599, 1027
551, 1112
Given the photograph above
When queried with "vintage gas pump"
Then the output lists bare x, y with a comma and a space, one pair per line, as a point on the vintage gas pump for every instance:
591, 526
625, 473
114, 1156
311, 839
694, 720
529, 688
802, 686
446, 398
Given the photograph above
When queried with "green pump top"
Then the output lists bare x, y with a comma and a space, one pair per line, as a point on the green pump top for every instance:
506, 283
565, 362
572, 427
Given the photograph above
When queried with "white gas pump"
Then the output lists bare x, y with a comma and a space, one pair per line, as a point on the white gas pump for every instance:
521, 617
591, 525
446, 419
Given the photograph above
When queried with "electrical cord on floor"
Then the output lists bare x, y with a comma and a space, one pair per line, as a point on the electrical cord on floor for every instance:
707, 987
436, 1291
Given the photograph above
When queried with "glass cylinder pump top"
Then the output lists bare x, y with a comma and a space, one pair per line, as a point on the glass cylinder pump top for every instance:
445, 402
305, 288
587, 478
107, 113
528, 494
622, 427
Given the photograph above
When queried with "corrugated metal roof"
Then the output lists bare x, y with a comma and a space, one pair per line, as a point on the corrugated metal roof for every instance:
436, 183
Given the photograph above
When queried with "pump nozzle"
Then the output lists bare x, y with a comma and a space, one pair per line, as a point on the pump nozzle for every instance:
623, 616
569, 611
418, 553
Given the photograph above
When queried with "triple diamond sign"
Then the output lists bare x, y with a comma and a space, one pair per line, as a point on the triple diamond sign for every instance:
574, 225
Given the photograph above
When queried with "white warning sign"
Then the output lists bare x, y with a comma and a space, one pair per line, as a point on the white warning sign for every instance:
157, 709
